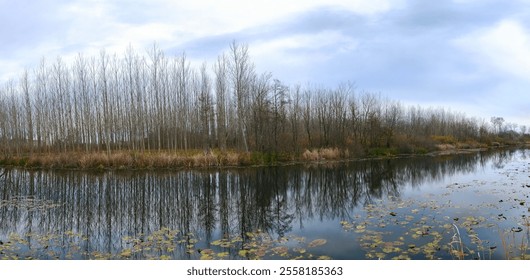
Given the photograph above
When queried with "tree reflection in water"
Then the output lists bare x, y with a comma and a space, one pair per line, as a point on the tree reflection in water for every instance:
105, 207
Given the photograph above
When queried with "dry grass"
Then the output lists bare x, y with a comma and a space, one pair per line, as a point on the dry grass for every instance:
444, 139
311, 155
130, 160
231, 158
95, 160
323, 154
330, 153
204, 160
52, 161
456, 245
158, 160
445, 147
517, 246
470, 144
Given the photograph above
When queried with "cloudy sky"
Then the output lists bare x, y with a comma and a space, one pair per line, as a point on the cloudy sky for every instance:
471, 56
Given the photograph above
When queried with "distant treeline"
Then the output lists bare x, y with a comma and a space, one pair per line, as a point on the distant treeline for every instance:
153, 102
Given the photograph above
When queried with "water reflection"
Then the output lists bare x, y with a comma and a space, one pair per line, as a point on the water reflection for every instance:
106, 207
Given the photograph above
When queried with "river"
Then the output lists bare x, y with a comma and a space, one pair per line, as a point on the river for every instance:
465, 206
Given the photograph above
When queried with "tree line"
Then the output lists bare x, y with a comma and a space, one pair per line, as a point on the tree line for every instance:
154, 102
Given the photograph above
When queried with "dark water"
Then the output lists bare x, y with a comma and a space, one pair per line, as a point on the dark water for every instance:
392, 208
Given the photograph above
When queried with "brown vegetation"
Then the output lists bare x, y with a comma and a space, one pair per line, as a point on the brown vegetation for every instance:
200, 159
324, 154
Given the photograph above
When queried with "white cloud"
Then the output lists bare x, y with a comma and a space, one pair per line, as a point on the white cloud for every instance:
505, 47
94, 24
87, 26
293, 57
236, 14
306, 42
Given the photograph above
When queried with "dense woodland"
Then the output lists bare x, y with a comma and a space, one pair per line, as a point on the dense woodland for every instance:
156, 103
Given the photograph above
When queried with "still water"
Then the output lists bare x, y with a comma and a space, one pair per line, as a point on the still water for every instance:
468, 206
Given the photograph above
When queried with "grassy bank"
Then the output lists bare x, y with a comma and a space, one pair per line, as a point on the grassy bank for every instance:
214, 158
164, 159
128, 160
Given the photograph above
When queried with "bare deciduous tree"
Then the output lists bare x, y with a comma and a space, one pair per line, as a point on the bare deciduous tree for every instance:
154, 102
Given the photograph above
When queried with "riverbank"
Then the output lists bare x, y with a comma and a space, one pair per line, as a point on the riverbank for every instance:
126, 160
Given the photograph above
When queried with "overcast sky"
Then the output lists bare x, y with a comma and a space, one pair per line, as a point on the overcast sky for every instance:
471, 56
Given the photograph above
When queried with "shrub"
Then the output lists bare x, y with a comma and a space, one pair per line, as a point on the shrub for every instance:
383, 152
204, 160
444, 139
311, 155
329, 153
445, 147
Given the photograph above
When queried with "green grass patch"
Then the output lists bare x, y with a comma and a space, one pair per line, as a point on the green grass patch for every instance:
266, 158
382, 152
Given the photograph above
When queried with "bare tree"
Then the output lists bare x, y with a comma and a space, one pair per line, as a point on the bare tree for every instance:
392, 117
222, 99
307, 114
497, 123
261, 110
28, 108
241, 71
205, 107
295, 116
280, 100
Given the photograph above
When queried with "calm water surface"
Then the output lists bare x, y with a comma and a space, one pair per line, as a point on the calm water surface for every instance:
419, 208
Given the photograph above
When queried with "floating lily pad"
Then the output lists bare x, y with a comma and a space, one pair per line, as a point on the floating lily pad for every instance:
317, 242
126, 253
